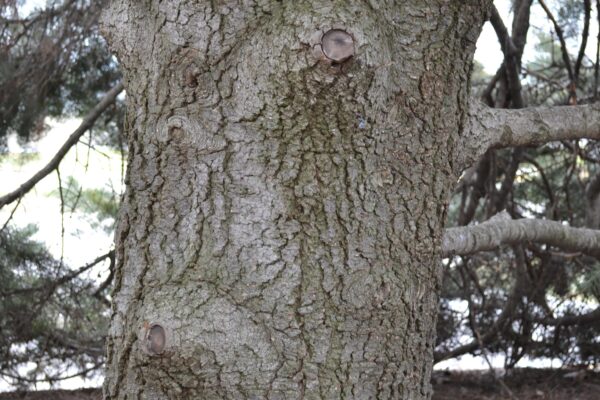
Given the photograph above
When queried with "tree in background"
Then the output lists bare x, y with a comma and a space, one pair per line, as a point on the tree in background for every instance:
532, 298
53, 63
49, 315
324, 277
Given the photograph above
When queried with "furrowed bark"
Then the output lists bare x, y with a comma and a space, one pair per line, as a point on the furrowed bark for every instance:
279, 237
502, 230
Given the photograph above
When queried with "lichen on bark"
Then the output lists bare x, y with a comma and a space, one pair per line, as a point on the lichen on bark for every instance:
283, 214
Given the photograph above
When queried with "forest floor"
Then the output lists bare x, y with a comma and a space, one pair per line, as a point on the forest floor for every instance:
524, 384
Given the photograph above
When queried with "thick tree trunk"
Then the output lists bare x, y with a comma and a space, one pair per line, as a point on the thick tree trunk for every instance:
280, 233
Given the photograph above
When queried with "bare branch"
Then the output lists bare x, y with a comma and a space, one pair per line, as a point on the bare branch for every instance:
561, 38
50, 287
495, 128
10, 217
497, 378
587, 7
567, 320
504, 319
506, 43
502, 230
493, 332
597, 63
86, 124
512, 57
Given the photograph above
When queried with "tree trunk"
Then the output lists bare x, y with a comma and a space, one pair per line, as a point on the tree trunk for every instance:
289, 169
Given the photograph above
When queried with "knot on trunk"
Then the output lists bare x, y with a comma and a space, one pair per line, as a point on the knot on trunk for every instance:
337, 45
156, 340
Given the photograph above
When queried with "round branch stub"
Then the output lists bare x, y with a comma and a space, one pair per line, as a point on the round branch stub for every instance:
337, 45
156, 339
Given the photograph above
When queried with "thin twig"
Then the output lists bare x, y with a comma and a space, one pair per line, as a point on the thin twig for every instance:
587, 4
12, 213
498, 379
596, 65
54, 379
51, 286
564, 52
62, 217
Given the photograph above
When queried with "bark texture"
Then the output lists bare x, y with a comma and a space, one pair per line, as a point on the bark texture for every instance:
493, 127
502, 230
284, 212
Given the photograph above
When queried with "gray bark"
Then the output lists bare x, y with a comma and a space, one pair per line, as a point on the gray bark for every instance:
492, 127
502, 230
280, 233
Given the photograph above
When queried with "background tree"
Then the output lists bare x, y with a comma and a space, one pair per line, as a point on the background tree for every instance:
542, 307
49, 317
53, 63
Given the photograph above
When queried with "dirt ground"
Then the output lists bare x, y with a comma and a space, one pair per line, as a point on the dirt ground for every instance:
525, 384
83, 394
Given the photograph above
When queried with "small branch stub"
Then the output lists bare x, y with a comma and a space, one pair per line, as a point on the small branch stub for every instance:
156, 339
337, 45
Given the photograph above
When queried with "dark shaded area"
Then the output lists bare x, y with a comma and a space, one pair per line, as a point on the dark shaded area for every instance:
50, 315
530, 300
525, 384
54, 316
82, 394
53, 62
